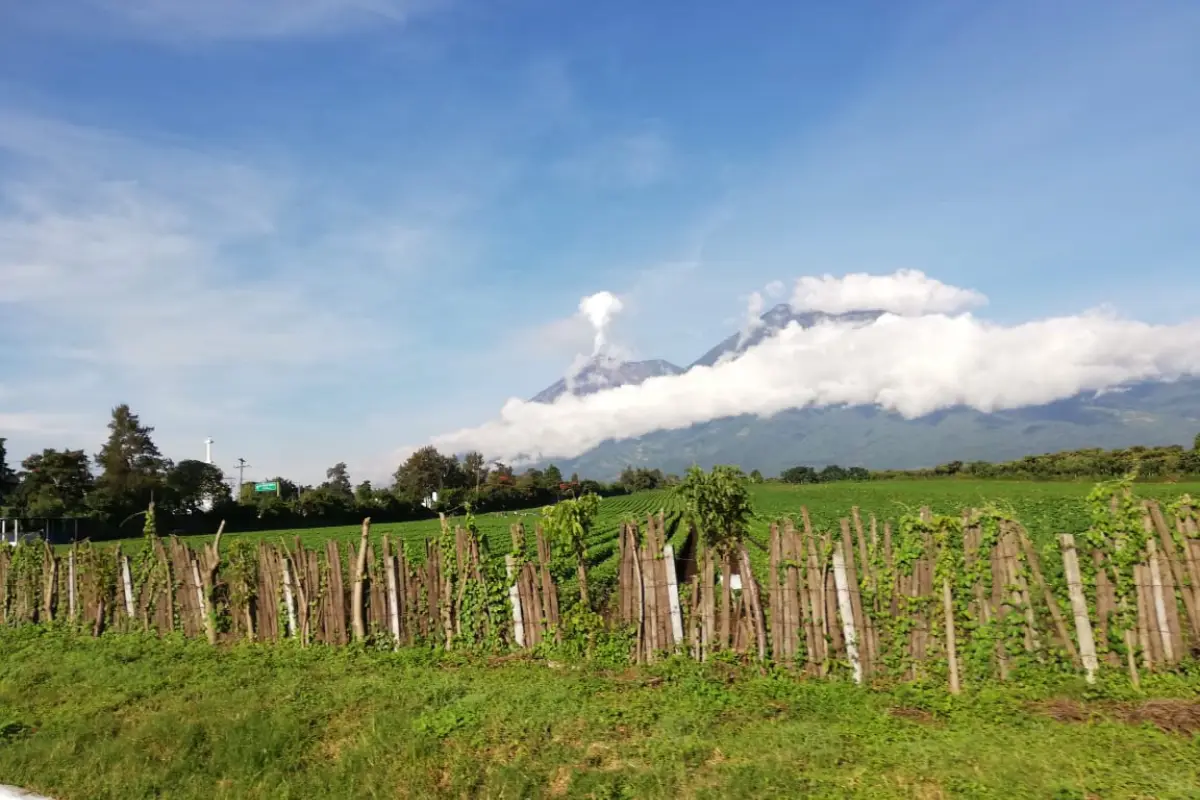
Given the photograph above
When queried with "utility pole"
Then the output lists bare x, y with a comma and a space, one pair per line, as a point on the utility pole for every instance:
241, 468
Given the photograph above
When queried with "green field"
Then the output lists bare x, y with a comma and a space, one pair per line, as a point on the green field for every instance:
125, 716
1044, 508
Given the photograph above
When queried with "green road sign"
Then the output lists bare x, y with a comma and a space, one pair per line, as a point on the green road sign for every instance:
266, 487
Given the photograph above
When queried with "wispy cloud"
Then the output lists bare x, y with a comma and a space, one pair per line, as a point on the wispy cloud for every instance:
256, 19
182, 281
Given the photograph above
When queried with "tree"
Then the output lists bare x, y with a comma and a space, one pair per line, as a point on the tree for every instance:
552, 478
193, 482
55, 483
718, 504
131, 467
800, 475
8, 478
641, 479
832, 474
364, 494
568, 523
475, 469
858, 474
756, 476
337, 480
427, 471
1196, 443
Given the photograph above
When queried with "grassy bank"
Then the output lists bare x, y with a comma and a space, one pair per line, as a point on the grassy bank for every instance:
125, 716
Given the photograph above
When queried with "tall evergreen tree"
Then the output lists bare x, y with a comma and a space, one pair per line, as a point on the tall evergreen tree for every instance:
131, 466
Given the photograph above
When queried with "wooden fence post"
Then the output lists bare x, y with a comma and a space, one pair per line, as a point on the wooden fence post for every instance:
71, 583
1160, 603
673, 595
356, 593
951, 639
514, 597
289, 597
127, 583
847, 612
1083, 625
212, 560
393, 593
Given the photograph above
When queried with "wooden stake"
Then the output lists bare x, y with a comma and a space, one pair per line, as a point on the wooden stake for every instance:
1060, 625
753, 604
393, 595
127, 581
289, 597
843, 596
1160, 604
360, 575
673, 596
71, 583
1083, 625
860, 617
951, 640
1178, 570
640, 655
514, 598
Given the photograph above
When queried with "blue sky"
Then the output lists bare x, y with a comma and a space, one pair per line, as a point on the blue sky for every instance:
318, 230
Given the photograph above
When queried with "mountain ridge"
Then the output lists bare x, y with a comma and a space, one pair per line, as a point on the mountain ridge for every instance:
1146, 413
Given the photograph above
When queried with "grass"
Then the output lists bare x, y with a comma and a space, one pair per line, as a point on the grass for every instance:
127, 716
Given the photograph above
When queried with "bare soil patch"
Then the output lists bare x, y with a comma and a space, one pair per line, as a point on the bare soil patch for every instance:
1172, 716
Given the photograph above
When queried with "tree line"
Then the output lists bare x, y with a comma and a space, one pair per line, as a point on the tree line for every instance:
110, 491
1168, 462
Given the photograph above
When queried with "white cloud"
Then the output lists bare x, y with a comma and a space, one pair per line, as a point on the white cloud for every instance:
907, 292
913, 364
257, 19
189, 285
42, 424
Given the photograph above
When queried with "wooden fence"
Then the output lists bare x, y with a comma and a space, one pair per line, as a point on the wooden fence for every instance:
952, 601
273, 592
955, 600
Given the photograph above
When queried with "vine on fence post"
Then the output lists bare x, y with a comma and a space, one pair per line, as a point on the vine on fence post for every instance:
568, 524
1118, 531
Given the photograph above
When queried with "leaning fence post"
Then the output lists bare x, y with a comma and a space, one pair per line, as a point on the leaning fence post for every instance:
514, 597
289, 598
847, 612
951, 638
1083, 625
127, 580
673, 595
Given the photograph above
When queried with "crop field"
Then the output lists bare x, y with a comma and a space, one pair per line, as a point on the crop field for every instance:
1045, 509
128, 713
